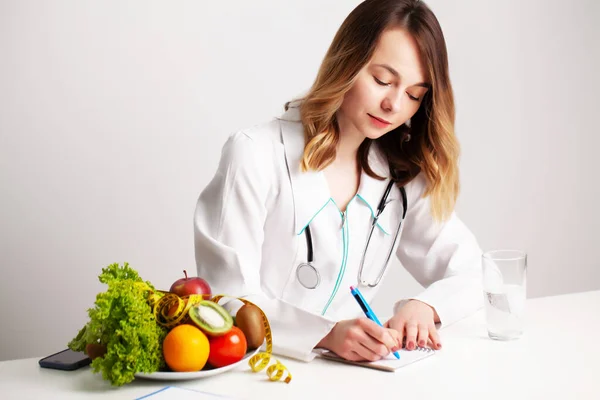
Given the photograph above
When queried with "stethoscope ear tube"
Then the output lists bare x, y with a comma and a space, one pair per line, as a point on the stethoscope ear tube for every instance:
384, 198
404, 202
389, 255
309, 246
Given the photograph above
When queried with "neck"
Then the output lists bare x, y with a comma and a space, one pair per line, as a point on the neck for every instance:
349, 141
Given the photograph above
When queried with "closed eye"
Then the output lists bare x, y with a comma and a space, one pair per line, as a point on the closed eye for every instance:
380, 82
412, 97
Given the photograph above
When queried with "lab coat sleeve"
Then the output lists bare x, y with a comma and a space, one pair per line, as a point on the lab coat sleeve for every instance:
228, 236
444, 257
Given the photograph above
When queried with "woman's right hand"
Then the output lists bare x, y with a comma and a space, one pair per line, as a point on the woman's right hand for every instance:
361, 339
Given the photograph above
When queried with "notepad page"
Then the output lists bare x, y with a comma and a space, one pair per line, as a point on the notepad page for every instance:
406, 357
390, 362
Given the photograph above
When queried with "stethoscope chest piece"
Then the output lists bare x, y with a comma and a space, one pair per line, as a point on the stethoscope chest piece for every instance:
308, 276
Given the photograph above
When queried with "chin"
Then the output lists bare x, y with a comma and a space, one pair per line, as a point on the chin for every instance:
374, 134
373, 137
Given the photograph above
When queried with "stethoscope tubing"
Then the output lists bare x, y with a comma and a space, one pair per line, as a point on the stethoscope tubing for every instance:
381, 206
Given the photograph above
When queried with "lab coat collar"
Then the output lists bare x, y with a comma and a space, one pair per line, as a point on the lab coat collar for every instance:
310, 189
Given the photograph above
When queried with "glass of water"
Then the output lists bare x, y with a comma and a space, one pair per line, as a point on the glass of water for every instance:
504, 286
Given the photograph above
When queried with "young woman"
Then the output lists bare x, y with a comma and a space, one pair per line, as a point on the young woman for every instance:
286, 219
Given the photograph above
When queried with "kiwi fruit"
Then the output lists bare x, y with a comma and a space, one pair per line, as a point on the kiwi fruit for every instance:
250, 321
211, 318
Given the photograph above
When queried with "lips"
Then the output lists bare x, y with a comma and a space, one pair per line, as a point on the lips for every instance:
380, 119
379, 122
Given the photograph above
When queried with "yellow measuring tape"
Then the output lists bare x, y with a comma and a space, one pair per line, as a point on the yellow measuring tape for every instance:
171, 310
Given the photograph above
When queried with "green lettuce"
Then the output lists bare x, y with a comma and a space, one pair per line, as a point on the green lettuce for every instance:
122, 321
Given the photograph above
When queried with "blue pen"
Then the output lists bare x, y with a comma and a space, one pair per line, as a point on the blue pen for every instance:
367, 310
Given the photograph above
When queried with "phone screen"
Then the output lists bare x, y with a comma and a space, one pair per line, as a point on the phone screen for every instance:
66, 359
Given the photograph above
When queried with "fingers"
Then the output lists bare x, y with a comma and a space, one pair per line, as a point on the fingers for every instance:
397, 337
412, 331
415, 321
366, 340
371, 350
354, 356
378, 333
363, 345
398, 327
435, 337
423, 335
376, 349
419, 335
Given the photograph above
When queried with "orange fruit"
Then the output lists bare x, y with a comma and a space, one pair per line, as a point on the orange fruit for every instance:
186, 348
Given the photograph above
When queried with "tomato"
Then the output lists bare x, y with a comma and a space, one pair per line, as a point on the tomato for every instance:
228, 348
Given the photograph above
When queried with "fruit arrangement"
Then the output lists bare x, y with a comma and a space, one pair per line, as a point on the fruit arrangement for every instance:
135, 328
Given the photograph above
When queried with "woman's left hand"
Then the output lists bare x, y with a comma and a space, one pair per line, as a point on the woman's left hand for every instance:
415, 322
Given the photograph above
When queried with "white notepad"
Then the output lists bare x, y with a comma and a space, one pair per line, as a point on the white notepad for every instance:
389, 363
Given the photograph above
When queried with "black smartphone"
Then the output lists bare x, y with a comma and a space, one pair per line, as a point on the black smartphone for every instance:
67, 360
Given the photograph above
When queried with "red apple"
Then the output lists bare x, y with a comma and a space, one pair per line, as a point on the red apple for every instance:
188, 286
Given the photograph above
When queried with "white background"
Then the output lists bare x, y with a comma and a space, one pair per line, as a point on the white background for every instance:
113, 114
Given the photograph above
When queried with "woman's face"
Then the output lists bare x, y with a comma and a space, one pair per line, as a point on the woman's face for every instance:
388, 90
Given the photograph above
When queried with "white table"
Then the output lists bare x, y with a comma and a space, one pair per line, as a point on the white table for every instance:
557, 358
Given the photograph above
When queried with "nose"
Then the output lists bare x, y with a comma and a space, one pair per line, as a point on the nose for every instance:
392, 102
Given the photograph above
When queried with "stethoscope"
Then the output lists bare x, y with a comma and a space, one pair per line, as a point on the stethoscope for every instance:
309, 276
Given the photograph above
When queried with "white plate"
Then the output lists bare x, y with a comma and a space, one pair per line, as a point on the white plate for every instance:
183, 376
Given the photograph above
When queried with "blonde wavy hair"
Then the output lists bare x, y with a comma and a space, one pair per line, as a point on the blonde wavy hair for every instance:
433, 148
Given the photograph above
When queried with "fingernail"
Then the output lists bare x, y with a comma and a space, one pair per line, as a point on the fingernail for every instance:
439, 345
394, 349
410, 345
422, 343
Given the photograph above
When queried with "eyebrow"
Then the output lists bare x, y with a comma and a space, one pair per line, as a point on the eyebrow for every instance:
397, 74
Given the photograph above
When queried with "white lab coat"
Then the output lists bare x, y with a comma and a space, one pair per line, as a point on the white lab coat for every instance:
249, 238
